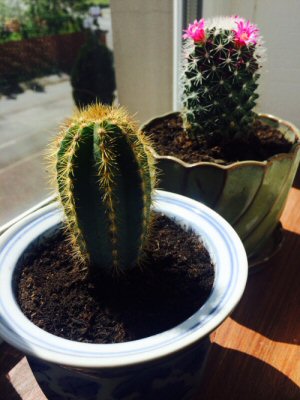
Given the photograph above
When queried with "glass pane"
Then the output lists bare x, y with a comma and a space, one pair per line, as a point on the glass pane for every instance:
54, 54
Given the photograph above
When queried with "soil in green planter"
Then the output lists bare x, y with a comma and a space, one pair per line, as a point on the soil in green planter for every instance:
169, 138
56, 295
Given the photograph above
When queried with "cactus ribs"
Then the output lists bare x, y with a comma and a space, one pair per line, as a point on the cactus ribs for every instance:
104, 174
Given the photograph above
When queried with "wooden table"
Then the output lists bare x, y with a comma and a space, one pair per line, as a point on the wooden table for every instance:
255, 353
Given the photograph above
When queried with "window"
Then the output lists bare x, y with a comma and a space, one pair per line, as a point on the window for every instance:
53, 55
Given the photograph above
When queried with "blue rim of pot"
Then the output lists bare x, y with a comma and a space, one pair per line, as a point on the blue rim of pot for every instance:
231, 269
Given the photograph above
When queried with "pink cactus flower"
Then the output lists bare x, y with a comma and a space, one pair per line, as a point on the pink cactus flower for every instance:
237, 19
246, 33
195, 31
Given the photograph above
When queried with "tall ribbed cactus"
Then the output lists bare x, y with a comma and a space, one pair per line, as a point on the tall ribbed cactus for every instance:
105, 178
220, 71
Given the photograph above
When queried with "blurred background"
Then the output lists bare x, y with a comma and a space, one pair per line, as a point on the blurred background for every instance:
59, 54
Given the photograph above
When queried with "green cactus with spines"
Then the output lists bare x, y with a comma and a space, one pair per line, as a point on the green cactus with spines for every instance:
105, 177
222, 58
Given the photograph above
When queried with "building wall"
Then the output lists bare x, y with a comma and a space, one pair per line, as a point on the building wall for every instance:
142, 42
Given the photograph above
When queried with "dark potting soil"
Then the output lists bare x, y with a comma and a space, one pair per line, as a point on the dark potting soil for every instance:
56, 295
169, 138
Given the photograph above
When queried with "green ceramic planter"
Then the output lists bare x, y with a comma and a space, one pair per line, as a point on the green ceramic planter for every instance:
250, 194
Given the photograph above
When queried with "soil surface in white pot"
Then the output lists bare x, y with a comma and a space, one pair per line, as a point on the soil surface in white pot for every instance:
170, 139
61, 297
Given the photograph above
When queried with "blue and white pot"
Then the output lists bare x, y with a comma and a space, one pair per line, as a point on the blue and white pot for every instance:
165, 366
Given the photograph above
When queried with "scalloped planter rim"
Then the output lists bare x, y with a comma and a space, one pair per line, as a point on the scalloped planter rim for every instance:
250, 195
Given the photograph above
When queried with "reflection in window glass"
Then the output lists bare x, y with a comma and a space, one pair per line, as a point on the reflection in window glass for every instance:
53, 55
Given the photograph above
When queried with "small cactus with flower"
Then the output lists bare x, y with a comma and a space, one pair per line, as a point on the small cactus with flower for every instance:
222, 58
105, 177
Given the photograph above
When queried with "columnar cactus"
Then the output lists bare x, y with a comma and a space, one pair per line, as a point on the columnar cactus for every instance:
222, 58
105, 178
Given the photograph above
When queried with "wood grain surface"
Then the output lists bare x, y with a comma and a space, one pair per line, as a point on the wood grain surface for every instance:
255, 353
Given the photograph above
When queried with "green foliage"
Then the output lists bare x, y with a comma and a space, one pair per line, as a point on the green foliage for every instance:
101, 3
38, 18
105, 176
219, 83
93, 76
52, 17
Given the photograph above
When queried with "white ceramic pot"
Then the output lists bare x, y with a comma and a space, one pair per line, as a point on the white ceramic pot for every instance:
164, 366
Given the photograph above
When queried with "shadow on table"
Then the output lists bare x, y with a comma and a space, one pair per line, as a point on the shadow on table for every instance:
233, 375
270, 304
7, 391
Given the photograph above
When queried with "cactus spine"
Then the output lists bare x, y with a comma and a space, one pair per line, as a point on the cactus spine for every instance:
220, 71
105, 177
